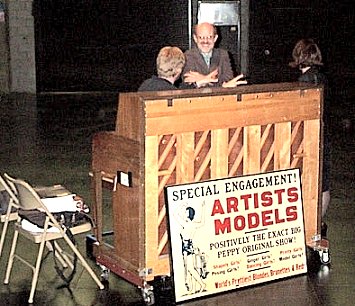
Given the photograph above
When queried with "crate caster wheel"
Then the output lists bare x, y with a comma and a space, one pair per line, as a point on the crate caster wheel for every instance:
148, 295
324, 257
105, 273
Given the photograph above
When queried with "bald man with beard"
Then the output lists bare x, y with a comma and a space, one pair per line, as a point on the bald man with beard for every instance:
207, 66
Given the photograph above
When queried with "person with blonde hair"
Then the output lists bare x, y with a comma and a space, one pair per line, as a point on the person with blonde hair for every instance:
169, 64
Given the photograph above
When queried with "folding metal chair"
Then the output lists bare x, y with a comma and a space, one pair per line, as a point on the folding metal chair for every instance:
11, 211
11, 215
29, 200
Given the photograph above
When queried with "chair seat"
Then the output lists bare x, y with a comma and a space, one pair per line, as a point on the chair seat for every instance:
36, 236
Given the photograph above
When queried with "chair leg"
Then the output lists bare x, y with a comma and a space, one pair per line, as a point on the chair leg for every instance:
62, 257
83, 262
59, 254
36, 271
11, 257
3, 235
4, 229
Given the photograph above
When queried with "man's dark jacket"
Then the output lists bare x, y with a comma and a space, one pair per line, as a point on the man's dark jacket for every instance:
220, 59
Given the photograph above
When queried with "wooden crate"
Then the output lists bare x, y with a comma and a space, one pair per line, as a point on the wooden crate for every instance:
174, 137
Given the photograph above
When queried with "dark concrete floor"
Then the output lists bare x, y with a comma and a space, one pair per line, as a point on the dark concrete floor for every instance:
47, 140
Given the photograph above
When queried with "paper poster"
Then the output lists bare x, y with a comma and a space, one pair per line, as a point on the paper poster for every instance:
231, 233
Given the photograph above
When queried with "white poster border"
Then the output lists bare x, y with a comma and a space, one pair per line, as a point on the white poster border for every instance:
211, 255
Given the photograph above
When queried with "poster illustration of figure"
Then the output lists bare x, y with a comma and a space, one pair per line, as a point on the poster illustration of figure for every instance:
193, 259
235, 232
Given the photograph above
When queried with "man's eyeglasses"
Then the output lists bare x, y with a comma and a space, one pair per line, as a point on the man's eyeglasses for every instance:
211, 37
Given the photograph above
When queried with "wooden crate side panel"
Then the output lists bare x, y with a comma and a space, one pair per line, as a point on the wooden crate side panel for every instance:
310, 178
130, 117
110, 149
128, 226
115, 153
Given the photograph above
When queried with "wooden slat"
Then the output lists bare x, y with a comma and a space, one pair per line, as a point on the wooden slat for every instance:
96, 185
310, 177
202, 155
152, 200
297, 143
224, 112
282, 146
167, 150
167, 175
160, 107
219, 156
235, 147
252, 136
199, 173
185, 157
267, 148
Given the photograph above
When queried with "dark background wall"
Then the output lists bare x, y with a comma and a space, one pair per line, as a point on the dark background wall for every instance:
90, 45
103, 45
275, 27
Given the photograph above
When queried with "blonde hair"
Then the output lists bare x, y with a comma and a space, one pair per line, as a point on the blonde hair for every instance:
306, 53
170, 62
